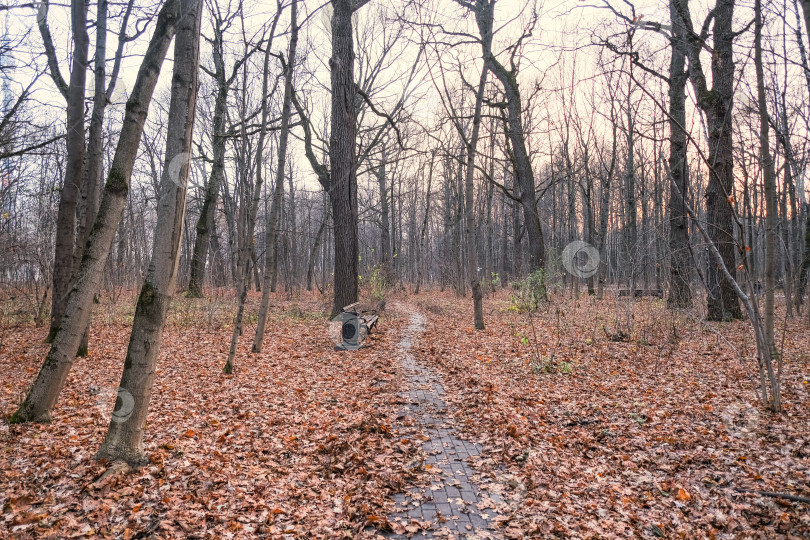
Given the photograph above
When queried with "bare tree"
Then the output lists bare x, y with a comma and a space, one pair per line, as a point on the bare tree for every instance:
278, 192
680, 291
124, 440
245, 254
716, 103
74, 94
223, 80
767, 350
90, 191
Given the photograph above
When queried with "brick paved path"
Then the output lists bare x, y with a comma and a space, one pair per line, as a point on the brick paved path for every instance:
453, 506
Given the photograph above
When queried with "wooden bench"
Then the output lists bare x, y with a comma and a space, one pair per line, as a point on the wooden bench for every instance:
640, 293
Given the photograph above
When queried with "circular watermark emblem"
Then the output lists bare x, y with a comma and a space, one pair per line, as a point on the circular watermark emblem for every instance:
176, 167
124, 403
120, 93
741, 419
346, 331
581, 259
42, 11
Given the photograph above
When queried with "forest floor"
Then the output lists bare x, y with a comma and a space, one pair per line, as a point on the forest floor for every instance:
576, 435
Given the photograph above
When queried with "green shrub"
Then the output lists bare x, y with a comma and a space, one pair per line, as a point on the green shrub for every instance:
530, 292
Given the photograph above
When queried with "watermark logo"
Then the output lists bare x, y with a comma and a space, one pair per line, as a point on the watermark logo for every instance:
124, 403
120, 93
581, 259
42, 11
175, 168
346, 331
741, 419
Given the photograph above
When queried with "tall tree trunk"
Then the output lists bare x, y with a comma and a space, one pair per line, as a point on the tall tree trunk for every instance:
343, 157
293, 263
91, 187
717, 104
504, 240
458, 248
484, 18
94, 168
804, 264
124, 440
65, 241
421, 255
804, 270
631, 232
278, 193
45, 391
521, 162
680, 290
604, 208
386, 260
767, 351
205, 221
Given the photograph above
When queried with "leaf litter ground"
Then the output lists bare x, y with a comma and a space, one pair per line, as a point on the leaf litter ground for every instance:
582, 437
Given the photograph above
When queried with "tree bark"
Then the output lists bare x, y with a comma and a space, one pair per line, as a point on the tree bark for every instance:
124, 440
313, 253
386, 261
422, 235
65, 241
244, 256
631, 227
343, 157
205, 221
521, 163
806, 11
45, 391
483, 16
292, 262
607, 171
717, 104
91, 189
278, 193
680, 290
768, 352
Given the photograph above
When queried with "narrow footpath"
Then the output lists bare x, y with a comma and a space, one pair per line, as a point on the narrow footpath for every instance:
454, 505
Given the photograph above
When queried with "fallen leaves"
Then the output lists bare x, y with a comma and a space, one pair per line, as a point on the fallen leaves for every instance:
637, 440
295, 442
646, 436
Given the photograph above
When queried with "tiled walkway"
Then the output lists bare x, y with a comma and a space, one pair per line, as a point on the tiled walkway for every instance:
453, 506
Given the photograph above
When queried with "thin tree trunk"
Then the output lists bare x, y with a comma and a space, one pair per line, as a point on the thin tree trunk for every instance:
91, 187
386, 260
631, 238
680, 290
421, 256
124, 440
205, 221
485, 27
244, 258
65, 241
278, 193
604, 210
768, 351
292, 260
